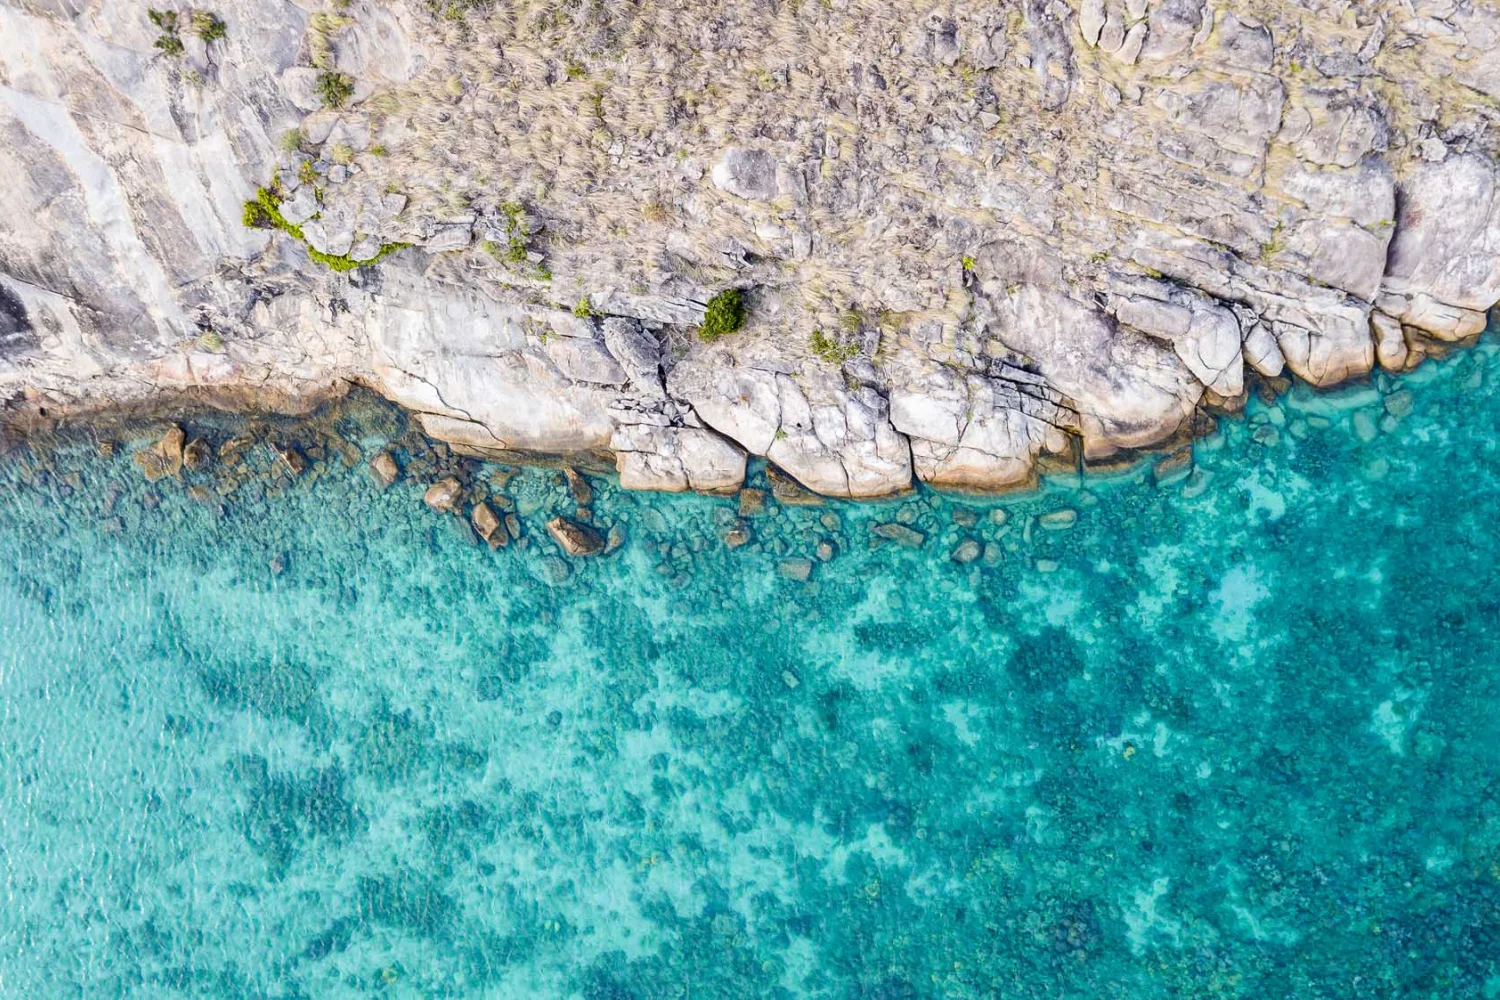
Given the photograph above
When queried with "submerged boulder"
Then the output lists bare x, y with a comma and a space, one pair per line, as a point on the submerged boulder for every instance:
574, 538
444, 495
164, 458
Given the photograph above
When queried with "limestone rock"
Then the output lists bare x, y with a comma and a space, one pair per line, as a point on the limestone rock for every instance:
835, 441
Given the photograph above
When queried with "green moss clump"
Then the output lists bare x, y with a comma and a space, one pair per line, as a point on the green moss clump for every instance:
725, 314
334, 89
831, 350
583, 310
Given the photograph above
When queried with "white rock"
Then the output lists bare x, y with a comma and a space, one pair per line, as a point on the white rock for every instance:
746, 173
675, 459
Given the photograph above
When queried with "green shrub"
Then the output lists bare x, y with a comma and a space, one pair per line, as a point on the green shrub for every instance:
207, 26
334, 89
725, 314
168, 41
831, 350
583, 310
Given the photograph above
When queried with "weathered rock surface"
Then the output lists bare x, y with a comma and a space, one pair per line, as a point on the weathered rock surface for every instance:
1045, 230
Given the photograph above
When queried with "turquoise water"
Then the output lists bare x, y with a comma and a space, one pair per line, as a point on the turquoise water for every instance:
1233, 736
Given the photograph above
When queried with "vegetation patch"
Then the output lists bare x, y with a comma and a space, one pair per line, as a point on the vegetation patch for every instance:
169, 41
334, 89
724, 315
264, 212
207, 26
515, 250
831, 350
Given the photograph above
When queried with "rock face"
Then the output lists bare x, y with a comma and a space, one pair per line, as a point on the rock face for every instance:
970, 241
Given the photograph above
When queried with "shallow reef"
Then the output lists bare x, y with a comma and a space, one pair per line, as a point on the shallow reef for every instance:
1223, 727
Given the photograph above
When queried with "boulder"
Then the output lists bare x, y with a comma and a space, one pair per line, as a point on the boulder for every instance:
444, 495
489, 526
290, 457
900, 534
164, 458
746, 173
583, 493
384, 468
196, 454
574, 538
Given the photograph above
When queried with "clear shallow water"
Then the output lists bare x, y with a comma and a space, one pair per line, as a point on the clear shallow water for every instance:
1238, 736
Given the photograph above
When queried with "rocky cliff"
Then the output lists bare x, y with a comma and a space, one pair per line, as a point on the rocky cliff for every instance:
967, 239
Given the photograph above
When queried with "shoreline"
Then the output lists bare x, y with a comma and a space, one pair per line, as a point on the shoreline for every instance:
273, 414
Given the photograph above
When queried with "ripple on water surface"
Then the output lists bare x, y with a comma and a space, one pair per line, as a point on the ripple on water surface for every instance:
1234, 735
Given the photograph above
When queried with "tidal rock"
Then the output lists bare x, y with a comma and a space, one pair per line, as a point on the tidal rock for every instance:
736, 535
196, 454
165, 457
751, 502
444, 495
384, 468
290, 457
967, 551
799, 570
1058, 520
583, 493
574, 538
900, 534
489, 526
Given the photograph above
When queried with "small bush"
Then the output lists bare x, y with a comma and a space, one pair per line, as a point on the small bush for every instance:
334, 89
169, 41
207, 26
725, 314
831, 350
583, 310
